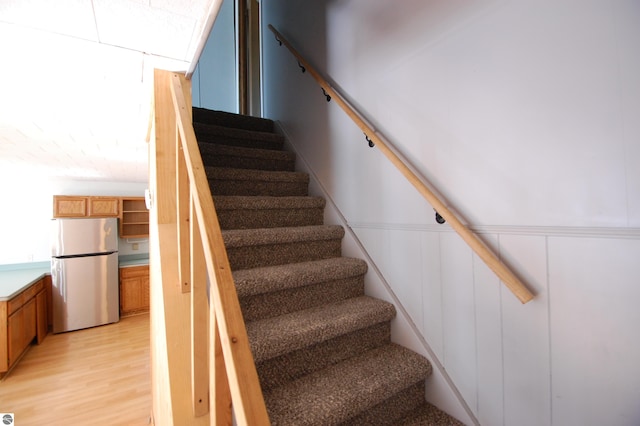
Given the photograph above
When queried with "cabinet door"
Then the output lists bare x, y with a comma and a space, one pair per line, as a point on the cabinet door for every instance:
29, 322
104, 206
15, 325
21, 329
69, 206
42, 323
134, 290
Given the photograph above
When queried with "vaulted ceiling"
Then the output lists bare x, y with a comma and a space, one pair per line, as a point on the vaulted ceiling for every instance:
76, 82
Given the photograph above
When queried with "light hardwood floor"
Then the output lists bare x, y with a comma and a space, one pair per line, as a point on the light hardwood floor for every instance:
97, 376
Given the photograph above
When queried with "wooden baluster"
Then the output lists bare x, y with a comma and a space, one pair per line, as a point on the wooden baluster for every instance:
220, 402
183, 204
199, 320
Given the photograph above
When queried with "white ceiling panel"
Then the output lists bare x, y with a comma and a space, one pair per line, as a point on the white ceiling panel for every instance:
69, 17
192, 8
78, 79
143, 28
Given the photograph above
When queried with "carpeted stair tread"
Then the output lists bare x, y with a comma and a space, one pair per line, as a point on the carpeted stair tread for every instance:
245, 212
269, 236
227, 119
240, 202
293, 365
391, 410
226, 173
253, 248
334, 395
229, 181
275, 336
277, 290
211, 133
250, 282
428, 414
217, 155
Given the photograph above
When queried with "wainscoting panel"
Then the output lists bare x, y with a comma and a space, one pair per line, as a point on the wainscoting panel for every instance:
525, 335
487, 289
567, 357
459, 328
432, 292
595, 339
407, 270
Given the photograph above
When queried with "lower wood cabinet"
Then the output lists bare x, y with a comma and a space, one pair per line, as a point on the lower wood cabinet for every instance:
23, 318
21, 329
134, 290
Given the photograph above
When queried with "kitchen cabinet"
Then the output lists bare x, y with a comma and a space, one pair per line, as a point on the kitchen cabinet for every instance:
132, 211
85, 206
64, 206
21, 329
23, 318
134, 218
134, 290
104, 207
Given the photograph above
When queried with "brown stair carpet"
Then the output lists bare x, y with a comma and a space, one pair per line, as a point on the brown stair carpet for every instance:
322, 348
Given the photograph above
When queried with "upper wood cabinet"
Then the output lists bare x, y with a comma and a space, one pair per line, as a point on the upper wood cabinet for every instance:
103, 207
134, 218
64, 206
85, 206
132, 211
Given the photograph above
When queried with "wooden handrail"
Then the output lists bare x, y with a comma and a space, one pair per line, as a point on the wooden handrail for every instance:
223, 372
478, 246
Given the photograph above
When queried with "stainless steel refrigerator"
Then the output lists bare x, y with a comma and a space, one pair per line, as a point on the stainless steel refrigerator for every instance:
84, 271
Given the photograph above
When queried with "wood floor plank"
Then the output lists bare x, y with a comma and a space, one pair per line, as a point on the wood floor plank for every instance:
97, 376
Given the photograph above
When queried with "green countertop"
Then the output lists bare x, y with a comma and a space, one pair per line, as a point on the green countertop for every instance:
17, 277
133, 260
13, 281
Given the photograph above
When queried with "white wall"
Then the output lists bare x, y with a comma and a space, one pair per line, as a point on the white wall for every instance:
27, 210
215, 80
525, 116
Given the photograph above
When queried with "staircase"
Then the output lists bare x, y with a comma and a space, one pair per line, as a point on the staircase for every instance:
322, 348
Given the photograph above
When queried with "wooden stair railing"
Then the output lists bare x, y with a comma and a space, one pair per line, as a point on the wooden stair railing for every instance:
505, 274
203, 381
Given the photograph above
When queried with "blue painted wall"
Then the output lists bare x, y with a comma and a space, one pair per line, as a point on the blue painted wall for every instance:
215, 80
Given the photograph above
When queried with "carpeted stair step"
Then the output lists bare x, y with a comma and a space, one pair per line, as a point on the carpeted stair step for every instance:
344, 391
392, 410
246, 212
226, 181
253, 248
279, 335
290, 346
210, 133
427, 414
293, 365
227, 119
278, 290
246, 158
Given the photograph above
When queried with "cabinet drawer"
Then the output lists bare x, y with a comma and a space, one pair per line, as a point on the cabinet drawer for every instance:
134, 271
22, 298
38, 286
29, 293
15, 303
